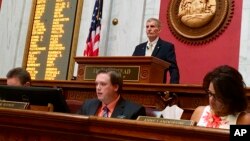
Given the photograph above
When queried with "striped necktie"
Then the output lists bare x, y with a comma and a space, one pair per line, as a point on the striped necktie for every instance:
105, 111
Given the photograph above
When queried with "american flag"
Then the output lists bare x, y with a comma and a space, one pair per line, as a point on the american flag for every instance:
0, 4
92, 43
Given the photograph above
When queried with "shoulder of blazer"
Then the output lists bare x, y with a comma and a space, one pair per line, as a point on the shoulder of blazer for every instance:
165, 43
121, 102
91, 102
126, 103
144, 44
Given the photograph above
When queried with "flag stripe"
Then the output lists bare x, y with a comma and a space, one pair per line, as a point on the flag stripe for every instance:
0, 4
92, 43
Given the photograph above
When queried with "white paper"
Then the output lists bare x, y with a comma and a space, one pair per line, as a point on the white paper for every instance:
173, 112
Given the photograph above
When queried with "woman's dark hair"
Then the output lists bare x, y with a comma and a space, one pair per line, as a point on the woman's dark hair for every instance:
115, 78
229, 87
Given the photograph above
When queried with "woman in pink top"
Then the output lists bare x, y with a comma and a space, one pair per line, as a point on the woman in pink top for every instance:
227, 100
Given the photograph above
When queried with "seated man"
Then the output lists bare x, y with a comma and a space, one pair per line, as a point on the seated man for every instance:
109, 102
18, 77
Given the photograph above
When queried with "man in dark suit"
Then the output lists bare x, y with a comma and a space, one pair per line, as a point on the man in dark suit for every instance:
159, 48
109, 103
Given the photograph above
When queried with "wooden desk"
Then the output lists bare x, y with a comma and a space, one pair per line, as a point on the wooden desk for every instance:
48, 126
189, 96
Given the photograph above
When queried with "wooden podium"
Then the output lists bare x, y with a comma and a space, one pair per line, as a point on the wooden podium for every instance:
137, 69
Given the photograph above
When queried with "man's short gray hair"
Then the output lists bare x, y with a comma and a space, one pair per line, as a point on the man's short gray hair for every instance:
158, 23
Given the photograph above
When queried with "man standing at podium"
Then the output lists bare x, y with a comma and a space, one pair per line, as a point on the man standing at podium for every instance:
158, 48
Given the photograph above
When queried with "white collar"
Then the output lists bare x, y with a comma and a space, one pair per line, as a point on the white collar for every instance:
154, 42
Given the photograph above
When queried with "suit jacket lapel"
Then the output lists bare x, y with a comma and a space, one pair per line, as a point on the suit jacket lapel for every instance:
157, 48
94, 107
143, 49
119, 109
